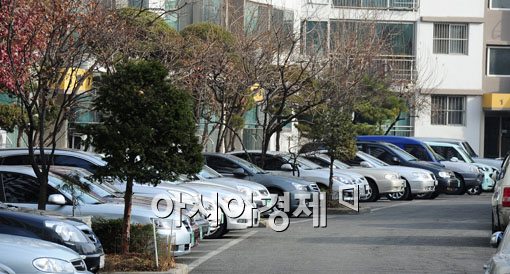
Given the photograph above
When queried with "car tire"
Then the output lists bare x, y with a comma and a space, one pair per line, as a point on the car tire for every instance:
373, 192
401, 196
476, 190
222, 230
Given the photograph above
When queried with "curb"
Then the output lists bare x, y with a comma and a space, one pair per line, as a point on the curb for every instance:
179, 269
347, 211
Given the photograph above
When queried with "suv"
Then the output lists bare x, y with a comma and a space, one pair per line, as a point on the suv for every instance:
501, 198
468, 174
393, 155
67, 232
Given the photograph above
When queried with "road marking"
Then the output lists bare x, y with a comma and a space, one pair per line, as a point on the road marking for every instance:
203, 259
394, 205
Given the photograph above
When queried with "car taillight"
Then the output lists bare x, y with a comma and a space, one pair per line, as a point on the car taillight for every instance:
506, 197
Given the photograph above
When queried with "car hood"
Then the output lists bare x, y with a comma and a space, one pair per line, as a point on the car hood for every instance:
34, 248
427, 165
211, 190
406, 171
491, 162
139, 214
376, 171
267, 177
460, 167
234, 182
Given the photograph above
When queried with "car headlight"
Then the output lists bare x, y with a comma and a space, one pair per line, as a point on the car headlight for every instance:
421, 175
473, 169
299, 186
444, 174
246, 191
66, 232
52, 265
390, 176
342, 180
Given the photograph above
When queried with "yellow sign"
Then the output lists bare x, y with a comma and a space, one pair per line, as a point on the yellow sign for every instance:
72, 78
496, 101
258, 95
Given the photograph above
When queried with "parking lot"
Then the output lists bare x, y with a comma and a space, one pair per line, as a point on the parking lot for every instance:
447, 235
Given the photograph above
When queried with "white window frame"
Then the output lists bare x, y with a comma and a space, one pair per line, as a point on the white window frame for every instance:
450, 39
447, 110
491, 8
488, 62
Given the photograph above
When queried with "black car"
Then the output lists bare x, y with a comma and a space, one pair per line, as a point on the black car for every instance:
68, 232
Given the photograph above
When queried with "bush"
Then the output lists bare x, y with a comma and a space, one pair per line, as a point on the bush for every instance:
109, 232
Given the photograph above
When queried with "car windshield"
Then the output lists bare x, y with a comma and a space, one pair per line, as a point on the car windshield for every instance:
464, 155
371, 159
469, 149
306, 164
208, 173
70, 186
437, 156
249, 166
340, 165
402, 153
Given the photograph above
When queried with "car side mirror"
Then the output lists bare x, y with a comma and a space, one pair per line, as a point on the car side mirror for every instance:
454, 159
395, 161
287, 167
496, 239
365, 164
56, 199
239, 172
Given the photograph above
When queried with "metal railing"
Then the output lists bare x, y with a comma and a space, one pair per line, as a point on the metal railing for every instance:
377, 4
398, 67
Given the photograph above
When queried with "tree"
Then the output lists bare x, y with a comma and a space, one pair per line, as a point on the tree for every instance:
333, 129
147, 133
47, 61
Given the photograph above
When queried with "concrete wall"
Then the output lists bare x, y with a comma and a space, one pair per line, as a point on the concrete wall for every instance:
472, 131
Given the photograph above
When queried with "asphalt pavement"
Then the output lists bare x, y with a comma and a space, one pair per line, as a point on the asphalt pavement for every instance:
447, 235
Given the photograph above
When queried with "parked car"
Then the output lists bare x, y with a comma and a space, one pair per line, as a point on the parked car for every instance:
20, 187
495, 163
393, 155
33, 256
455, 153
284, 164
468, 174
70, 233
231, 166
501, 199
423, 181
255, 191
499, 263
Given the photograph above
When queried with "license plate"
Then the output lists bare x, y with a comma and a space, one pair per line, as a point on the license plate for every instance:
101, 261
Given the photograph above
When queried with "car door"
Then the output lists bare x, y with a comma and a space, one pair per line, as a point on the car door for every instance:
23, 190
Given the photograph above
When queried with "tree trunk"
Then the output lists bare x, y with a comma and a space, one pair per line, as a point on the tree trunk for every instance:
393, 123
278, 140
332, 159
43, 187
126, 226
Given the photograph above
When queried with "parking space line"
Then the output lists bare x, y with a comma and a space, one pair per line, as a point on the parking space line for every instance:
395, 205
219, 250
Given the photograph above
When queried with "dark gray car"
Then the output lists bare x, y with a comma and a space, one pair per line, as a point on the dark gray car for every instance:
232, 166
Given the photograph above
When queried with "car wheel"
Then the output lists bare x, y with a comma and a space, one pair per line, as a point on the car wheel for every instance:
222, 230
400, 196
372, 192
476, 190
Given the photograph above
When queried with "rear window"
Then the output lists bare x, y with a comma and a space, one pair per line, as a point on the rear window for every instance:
418, 152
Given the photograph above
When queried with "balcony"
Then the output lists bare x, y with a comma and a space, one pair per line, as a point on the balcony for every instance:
377, 4
401, 68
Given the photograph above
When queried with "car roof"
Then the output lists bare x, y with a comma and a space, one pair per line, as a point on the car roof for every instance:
390, 139
65, 152
258, 151
440, 139
444, 144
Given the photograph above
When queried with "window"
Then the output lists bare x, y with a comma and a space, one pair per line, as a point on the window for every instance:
499, 58
500, 4
381, 154
221, 165
61, 160
19, 188
448, 110
316, 37
377, 4
450, 38
418, 152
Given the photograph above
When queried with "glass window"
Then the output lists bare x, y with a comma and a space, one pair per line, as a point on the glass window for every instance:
316, 37
208, 173
376, 4
499, 58
500, 4
16, 160
220, 164
20, 188
450, 38
448, 110
418, 152
61, 160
